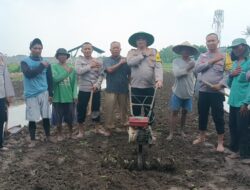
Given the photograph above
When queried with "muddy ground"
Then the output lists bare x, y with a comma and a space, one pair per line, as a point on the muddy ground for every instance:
98, 162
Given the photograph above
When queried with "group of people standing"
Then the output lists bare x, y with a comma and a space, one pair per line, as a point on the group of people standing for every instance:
212, 74
78, 87
142, 70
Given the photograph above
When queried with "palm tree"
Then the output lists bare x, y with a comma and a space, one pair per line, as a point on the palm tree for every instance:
247, 32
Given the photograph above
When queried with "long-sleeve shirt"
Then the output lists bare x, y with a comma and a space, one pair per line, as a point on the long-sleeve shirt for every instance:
87, 76
6, 87
34, 80
247, 99
64, 84
184, 79
239, 85
145, 70
212, 73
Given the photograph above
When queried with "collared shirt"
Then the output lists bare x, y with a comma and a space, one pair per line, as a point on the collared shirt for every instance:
211, 73
88, 77
145, 70
117, 82
239, 85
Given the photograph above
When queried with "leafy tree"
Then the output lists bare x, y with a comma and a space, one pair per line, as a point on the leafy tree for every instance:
247, 32
167, 54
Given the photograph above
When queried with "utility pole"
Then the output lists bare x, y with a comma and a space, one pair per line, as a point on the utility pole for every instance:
218, 22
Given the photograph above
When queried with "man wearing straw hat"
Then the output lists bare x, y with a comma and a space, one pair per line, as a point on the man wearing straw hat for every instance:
211, 66
146, 71
183, 87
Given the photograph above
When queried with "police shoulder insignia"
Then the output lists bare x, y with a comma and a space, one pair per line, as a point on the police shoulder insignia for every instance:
228, 62
158, 57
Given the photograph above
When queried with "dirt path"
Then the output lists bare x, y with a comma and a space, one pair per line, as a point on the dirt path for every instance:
97, 162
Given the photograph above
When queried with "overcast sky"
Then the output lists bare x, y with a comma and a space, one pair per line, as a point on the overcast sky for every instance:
68, 23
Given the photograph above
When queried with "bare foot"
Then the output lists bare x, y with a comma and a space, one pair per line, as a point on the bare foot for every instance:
245, 161
49, 139
80, 135
59, 138
220, 148
234, 155
154, 138
32, 144
119, 130
4, 148
126, 124
183, 135
199, 140
170, 137
103, 132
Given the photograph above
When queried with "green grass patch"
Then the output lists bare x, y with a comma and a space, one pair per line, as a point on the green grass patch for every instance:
14, 67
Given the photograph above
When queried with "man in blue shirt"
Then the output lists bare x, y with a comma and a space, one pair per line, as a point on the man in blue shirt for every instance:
37, 90
117, 78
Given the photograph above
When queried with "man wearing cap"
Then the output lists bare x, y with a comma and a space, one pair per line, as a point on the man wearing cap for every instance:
239, 88
90, 75
183, 87
117, 78
64, 92
146, 71
37, 89
210, 66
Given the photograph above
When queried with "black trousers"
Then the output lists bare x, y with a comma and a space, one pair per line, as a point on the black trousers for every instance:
140, 96
3, 118
83, 100
214, 101
238, 127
